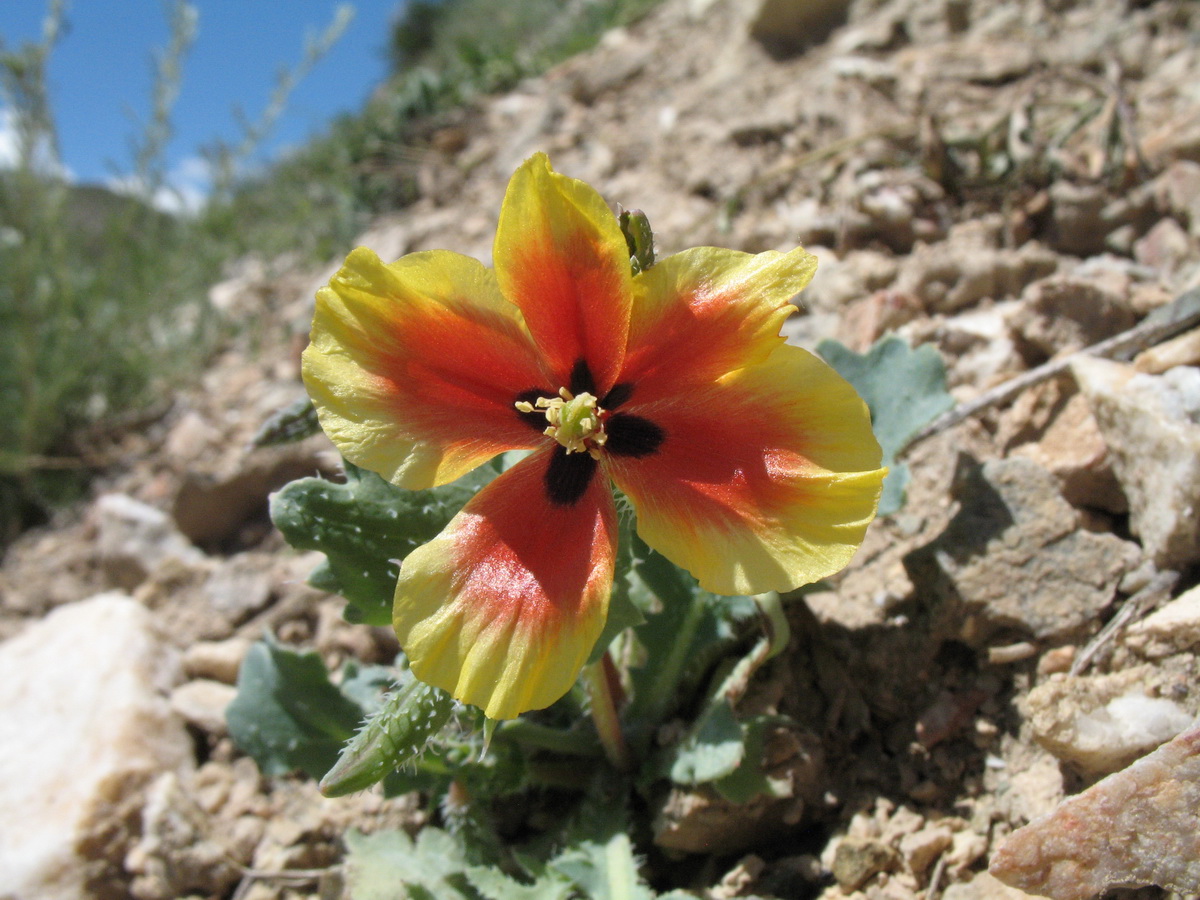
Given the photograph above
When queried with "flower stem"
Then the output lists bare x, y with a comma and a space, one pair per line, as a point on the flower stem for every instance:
604, 688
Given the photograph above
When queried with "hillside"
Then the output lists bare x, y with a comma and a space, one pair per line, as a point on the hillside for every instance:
1006, 183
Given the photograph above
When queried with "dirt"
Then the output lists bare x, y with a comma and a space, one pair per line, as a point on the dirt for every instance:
957, 167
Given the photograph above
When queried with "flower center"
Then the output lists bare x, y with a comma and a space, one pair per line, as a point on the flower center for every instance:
574, 420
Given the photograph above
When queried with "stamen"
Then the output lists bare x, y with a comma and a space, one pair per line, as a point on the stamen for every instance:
575, 421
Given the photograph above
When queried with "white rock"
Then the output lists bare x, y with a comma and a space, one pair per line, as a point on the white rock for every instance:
1101, 722
1151, 424
85, 727
1174, 628
133, 539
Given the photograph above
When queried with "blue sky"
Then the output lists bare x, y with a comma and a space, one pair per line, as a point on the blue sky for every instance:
101, 73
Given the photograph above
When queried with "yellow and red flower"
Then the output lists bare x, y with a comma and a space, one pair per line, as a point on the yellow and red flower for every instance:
750, 462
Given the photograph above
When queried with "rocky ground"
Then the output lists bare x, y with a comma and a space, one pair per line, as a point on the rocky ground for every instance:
1009, 183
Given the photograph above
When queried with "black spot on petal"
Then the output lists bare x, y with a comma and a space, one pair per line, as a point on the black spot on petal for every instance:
630, 435
568, 476
581, 379
618, 395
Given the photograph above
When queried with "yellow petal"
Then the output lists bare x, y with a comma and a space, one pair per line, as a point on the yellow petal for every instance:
502, 608
765, 480
414, 366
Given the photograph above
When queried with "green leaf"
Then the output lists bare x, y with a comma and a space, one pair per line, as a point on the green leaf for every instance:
683, 639
389, 865
411, 714
365, 527
749, 779
604, 870
495, 885
905, 390
287, 714
713, 748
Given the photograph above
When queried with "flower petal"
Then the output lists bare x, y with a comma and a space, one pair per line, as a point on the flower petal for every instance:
764, 480
560, 256
704, 312
414, 366
503, 607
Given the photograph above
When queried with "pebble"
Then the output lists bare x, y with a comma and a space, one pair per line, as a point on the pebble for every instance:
203, 703
1172, 629
1137, 827
1101, 722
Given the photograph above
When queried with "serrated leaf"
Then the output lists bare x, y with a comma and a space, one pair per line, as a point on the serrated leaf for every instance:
363, 527
288, 714
905, 389
713, 749
495, 885
604, 870
389, 865
410, 715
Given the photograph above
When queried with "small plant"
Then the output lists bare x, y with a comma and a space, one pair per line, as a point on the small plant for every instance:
550, 632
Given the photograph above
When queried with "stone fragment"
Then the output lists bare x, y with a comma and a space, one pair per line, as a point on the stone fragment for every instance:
134, 538
1014, 556
1140, 826
967, 267
1152, 427
1177, 192
921, 848
984, 887
857, 860
1073, 450
1165, 247
1078, 225
176, 855
203, 703
786, 27
1100, 723
1172, 629
1183, 350
1066, 313
85, 728
218, 660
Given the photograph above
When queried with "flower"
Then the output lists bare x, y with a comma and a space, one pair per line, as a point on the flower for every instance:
750, 462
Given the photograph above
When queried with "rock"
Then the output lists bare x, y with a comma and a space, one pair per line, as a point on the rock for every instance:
787, 27
984, 887
1183, 350
1078, 225
85, 729
966, 268
218, 660
1074, 451
1066, 313
1177, 193
1137, 827
921, 848
1100, 723
857, 860
177, 854
133, 539
1174, 628
1165, 247
1152, 427
202, 703
1015, 557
